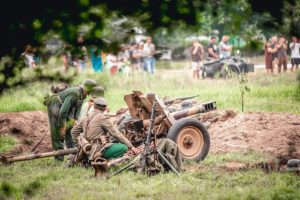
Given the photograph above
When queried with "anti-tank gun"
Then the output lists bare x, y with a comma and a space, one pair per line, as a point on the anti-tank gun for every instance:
181, 125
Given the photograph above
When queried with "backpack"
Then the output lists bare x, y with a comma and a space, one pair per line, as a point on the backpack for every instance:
55, 89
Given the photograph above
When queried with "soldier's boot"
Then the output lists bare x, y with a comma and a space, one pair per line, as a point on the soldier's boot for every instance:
71, 161
101, 168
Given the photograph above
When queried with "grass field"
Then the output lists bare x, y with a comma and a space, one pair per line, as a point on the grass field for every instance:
277, 93
47, 179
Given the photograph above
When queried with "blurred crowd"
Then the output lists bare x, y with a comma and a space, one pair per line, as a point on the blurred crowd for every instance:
213, 51
140, 56
134, 57
276, 54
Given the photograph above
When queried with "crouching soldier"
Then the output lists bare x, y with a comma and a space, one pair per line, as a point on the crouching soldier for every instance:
88, 104
60, 107
95, 135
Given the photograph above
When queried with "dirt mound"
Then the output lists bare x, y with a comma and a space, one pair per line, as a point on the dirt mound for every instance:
28, 128
277, 134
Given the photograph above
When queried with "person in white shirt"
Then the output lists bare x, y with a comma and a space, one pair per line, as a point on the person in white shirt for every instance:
149, 49
224, 47
112, 63
28, 56
295, 53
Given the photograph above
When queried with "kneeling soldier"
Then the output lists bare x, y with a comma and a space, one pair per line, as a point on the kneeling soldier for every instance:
98, 130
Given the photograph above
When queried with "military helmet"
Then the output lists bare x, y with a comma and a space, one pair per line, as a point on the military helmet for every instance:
97, 92
88, 85
293, 165
100, 102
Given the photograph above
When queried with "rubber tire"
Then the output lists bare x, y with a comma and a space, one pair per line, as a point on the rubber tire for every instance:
180, 124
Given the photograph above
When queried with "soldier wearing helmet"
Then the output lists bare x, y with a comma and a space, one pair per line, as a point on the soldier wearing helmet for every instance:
88, 105
60, 106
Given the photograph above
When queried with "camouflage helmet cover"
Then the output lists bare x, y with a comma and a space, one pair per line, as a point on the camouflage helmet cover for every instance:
97, 92
88, 85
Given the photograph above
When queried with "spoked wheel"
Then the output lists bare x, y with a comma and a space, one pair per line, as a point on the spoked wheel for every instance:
191, 137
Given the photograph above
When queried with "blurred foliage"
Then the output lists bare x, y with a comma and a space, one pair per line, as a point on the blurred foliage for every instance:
107, 24
291, 18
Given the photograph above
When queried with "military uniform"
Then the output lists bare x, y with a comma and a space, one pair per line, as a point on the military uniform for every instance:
98, 130
88, 105
63, 109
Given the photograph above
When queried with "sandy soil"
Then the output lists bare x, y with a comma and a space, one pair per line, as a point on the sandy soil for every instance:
277, 134
28, 128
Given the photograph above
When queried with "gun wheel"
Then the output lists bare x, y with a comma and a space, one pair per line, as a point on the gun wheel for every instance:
190, 141
191, 137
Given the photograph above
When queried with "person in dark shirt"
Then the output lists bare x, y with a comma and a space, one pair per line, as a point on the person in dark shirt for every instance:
212, 48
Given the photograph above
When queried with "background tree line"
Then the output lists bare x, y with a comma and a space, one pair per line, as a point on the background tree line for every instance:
109, 23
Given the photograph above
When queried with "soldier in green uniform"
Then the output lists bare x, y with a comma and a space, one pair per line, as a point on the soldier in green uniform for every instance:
98, 129
63, 106
88, 104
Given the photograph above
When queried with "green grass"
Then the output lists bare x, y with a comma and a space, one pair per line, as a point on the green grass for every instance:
278, 93
251, 157
47, 179
7, 143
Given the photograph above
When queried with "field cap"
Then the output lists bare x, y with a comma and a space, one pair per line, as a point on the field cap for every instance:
100, 102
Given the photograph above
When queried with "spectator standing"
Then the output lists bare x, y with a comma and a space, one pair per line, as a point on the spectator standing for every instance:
269, 51
197, 55
149, 49
112, 63
80, 54
67, 57
274, 43
28, 56
224, 47
135, 57
124, 60
212, 48
282, 54
295, 53
37, 55
141, 55
96, 59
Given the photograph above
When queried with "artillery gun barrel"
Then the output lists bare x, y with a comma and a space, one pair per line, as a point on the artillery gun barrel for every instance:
205, 107
178, 100
11, 159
